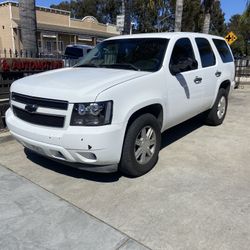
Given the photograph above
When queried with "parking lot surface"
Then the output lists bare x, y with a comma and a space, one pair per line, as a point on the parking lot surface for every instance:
32, 218
197, 196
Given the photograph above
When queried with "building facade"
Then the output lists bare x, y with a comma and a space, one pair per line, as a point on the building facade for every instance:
55, 29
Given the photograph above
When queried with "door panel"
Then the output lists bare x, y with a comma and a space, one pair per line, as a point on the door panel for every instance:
209, 72
185, 89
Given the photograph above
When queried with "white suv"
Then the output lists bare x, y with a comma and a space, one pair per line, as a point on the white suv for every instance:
108, 112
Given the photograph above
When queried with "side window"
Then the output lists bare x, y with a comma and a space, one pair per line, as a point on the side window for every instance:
223, 50
182, 58
206, 52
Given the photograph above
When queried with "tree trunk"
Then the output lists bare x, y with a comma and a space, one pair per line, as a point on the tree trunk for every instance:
27, 12
178, 15
246, 47
127, 20
206, 24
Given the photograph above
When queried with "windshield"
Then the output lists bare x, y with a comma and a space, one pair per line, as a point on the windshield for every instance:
144, 54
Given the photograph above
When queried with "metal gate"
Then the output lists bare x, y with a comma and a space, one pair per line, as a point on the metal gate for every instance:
242, 75
12, 69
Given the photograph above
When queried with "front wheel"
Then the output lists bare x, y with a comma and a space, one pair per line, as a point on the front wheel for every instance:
217, 114
141, 146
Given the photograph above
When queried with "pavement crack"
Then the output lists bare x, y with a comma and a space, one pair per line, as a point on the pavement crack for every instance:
122, 244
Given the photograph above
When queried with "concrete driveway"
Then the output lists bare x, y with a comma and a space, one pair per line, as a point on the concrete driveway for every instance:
197, 196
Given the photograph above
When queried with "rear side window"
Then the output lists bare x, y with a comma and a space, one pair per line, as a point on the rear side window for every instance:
206, 52
223, 50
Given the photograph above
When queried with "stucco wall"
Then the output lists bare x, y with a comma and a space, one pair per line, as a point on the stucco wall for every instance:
45, 17
5, 28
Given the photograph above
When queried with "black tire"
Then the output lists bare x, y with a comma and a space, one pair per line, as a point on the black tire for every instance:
213, 118
129, 165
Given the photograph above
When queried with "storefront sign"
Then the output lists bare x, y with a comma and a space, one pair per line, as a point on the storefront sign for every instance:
28, 65
120, 19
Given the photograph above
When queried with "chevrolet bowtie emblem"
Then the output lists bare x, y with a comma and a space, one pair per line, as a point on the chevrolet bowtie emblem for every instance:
31, 108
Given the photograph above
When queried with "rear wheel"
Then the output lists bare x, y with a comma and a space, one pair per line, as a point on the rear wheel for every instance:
141, 146
217, 114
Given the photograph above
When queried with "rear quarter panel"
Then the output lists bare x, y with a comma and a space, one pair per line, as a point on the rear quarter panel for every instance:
227, 70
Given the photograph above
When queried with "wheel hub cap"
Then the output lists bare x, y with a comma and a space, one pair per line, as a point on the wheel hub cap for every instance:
145, 145
221, 109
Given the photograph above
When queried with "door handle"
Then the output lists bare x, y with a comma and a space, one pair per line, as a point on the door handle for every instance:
217, 73
197, 80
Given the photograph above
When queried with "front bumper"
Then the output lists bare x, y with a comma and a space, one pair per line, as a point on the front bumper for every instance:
99, 147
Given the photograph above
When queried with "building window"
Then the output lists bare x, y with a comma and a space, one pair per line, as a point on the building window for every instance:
48, 47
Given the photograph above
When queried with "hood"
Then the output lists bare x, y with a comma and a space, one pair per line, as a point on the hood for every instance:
73, 84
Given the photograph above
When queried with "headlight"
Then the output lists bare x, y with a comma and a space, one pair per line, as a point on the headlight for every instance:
92, 114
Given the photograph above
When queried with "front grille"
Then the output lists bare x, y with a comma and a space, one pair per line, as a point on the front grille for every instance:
40, 102
39, 119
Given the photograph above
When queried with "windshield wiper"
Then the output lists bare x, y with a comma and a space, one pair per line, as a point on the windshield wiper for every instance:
120, 66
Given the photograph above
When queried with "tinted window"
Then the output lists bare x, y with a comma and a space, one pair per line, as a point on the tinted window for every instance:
206, 52
74, 52
144, 54
223, 50
183, 55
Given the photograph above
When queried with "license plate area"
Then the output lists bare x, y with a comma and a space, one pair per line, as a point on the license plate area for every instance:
37, 149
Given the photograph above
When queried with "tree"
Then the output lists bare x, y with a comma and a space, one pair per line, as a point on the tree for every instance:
27, 12
64, 5
127, 18
208, 7
144, 15
217, 22
79, 8
234, 25
152, 16
245, 27
164, 19
178, 15
110, 10
240, 25
192, 16
104, 11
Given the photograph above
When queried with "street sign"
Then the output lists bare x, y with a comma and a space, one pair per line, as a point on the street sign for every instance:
231, 38
120, 20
